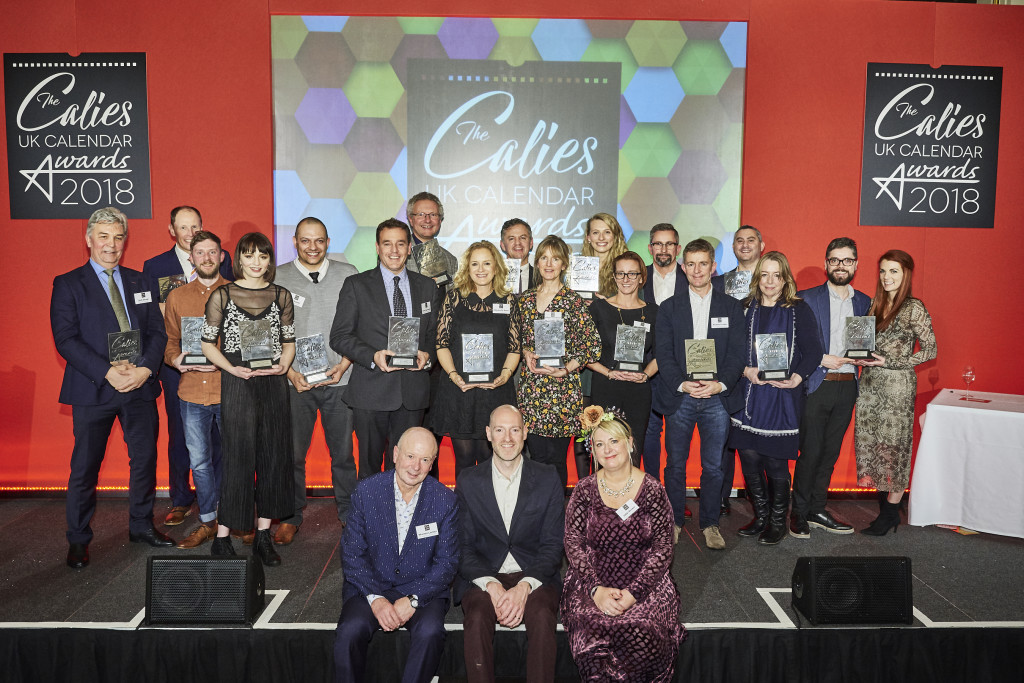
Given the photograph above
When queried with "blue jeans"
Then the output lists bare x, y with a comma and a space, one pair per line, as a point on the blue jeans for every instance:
712, 421
198, 422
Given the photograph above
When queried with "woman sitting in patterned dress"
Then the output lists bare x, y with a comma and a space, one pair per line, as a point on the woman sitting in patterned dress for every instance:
620, 606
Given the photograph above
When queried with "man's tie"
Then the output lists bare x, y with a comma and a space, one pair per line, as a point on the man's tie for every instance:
116, 301
398, 301
314, 276
194, 274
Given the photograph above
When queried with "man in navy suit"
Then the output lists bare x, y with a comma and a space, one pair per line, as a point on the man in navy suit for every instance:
512, 524
664, 279
89, 303
517, 243
701, 313
186, 221
399, 554
386, 399
831, 392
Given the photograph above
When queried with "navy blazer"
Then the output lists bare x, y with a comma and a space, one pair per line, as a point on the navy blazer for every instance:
81, 316
167, 264
817, 298
675, 325
536, 536
681, 284
370, 559
360, 329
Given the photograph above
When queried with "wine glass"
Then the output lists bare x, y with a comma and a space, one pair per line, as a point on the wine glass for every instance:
968, 377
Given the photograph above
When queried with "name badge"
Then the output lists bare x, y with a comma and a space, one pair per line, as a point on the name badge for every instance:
627, 509
719, 323
143, 297
502, 308
298, 299
640, 323
555, 315
425, 308
426, 530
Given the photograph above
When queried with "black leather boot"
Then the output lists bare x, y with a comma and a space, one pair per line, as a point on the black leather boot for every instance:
888, 518
758, 495
777, 527
263, 547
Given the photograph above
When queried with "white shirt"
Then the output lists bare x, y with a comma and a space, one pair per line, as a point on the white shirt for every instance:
839, 310
664, 285
186, 265
506, 493
524, 277
403, 519
700, 307
322, 269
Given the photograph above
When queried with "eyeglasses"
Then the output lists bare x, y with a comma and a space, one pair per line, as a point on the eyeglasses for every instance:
836, 261
424, 215
664, 245
626, 276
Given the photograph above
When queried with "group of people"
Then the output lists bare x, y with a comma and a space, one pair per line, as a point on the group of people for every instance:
243, 425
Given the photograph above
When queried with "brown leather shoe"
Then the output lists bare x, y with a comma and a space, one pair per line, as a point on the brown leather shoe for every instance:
285, 533
245, 536
177, 515
202, 534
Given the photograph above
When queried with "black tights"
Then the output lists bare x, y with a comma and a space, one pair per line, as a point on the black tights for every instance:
469, 452
774, 468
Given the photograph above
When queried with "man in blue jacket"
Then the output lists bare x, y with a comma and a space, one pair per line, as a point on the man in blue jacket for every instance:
831, 392
399, 554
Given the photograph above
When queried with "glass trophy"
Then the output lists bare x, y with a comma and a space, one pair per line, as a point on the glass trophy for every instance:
584, 274
169, 284
512, 280
432, 263
311, 358
403, 341
255, 340
737, 283
629, 347
701, 362
772, 356
549, 342
477, 358
859, 336
124, 348
192, 340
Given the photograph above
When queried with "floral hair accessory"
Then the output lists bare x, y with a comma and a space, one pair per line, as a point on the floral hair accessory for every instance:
592, 417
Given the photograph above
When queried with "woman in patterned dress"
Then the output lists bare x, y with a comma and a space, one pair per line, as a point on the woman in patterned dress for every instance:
620, 606
884, 427
256, 438
549, 397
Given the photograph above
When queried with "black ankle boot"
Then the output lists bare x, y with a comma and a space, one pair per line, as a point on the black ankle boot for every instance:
888, 518
263, 547
222, 546
758, 495
777, 527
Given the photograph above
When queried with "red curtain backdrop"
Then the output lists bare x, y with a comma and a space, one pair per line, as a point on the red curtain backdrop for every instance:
211, 146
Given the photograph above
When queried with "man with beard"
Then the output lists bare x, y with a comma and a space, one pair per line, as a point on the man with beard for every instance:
315, 282
517, 243
831, 392
199, 387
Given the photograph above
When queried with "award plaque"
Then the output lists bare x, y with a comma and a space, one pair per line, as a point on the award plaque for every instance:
549, 342
192, 341
404, 341
431, 261
254, 338
737, 283
701, 362
311, 358
169, 284
629, 348
124, 347
512, 280
772, 356
477, 358
859, 336
584, 274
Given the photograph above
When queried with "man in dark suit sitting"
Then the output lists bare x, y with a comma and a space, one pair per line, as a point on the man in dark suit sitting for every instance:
176, 262
88, 304
399, 554
386, 399
512, 522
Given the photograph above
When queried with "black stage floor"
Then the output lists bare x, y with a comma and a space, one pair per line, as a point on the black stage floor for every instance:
62, 624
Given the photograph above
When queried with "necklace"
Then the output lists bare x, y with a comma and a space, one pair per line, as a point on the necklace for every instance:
643, 312
621, 492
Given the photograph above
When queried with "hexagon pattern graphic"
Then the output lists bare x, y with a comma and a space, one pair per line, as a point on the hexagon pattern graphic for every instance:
342, 115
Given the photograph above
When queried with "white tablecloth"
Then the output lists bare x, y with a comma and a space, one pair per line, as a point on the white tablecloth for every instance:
970, 464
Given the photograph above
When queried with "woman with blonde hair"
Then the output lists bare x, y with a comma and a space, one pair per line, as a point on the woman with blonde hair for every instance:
478, 304
604, 239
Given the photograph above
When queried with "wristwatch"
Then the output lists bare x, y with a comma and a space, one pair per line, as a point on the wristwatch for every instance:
414, 601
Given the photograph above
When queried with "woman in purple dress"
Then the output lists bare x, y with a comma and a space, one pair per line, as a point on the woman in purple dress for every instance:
619, 604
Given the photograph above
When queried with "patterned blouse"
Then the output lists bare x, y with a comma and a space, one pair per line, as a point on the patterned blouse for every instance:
232, 303
552, 405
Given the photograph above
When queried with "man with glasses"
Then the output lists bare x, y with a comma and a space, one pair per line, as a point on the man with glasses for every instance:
425, 215
831, 392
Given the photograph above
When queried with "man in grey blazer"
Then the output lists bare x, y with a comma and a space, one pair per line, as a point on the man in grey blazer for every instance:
315, 282
386, 400
831, 393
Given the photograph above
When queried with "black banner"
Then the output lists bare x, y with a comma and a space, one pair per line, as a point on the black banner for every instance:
77, 134
931, 140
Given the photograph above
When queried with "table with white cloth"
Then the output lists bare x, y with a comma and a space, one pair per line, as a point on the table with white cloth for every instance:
969, 470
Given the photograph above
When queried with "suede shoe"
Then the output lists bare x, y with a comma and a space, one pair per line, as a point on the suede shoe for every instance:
152, 537
713, 538
823, 520
177, 515
203, 533
78, 555
798, 527
285, 533
245, 536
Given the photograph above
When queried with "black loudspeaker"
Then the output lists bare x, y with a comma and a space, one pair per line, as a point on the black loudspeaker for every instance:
204, 590
854, 590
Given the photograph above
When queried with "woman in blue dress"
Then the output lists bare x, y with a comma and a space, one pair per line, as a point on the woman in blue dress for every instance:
766, 432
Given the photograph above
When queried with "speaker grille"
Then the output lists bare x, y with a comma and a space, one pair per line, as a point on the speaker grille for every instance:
854, 590
203, 590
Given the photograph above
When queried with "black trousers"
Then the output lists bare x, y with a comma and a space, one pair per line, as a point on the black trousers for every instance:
378, 432
824, 423
551, 450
